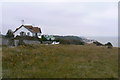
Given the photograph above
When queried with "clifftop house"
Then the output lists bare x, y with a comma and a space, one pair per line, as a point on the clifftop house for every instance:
28, 30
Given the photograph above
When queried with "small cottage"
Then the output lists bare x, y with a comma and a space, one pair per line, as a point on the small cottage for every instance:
28, 30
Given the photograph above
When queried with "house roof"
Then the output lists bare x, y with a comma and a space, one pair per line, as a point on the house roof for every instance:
30, 28
36, 29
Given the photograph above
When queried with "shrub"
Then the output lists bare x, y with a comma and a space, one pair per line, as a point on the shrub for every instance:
9, 34
43, 38
109, 45
71, 41
27, 37
98, 43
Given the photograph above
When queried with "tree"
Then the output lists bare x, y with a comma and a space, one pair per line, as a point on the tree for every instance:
9, 34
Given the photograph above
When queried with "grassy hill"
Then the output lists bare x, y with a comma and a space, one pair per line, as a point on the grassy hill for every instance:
60, 61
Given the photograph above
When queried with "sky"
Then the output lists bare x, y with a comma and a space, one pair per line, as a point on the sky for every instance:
63, 18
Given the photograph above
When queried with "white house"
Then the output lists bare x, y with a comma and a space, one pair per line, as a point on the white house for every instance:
28, 30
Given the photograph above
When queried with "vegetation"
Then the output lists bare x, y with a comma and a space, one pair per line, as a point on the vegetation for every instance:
60, 61
108, 44
68, 37
43, 38
10, 37
98, 43
69, 40
9, 34
27, 37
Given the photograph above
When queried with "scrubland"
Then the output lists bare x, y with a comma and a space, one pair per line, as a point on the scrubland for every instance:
59, 61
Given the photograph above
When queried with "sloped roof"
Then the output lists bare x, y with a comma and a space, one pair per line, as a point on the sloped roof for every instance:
36, 29
30, 28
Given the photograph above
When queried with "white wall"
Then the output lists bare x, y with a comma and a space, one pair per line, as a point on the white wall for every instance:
24, 30
39, 35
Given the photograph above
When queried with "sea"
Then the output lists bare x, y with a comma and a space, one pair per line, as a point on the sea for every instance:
104, 40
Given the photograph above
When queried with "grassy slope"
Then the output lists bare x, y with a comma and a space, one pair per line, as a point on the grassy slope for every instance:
60, 61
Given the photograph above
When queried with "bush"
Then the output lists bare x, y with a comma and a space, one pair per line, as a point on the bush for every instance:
57, 40
109, 45
9, 34
71, 41
27, 38
98, 43
43, 38
10, 37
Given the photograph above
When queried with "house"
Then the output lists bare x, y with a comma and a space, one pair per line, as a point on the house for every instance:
28, 30
49, 37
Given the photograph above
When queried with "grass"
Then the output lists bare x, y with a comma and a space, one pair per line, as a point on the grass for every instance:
60, 61
0, 61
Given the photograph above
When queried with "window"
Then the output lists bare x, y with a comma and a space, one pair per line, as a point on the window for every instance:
28, 33
22, 33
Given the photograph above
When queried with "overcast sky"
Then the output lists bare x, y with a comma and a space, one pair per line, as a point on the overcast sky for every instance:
63, 18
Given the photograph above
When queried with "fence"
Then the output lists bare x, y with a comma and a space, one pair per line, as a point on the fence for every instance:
16, 42
7, 42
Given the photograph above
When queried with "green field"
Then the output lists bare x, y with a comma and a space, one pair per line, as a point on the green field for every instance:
60, 61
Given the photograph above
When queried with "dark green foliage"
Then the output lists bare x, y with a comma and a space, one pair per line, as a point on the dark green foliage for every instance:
27, 38
10, 37
68, 37
76, 42
63, 41
109, 45
98, 43
69, 40
50, 39
9, 34
57, 40
43, 38
40, 40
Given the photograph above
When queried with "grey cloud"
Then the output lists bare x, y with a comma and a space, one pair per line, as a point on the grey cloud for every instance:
62, 18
